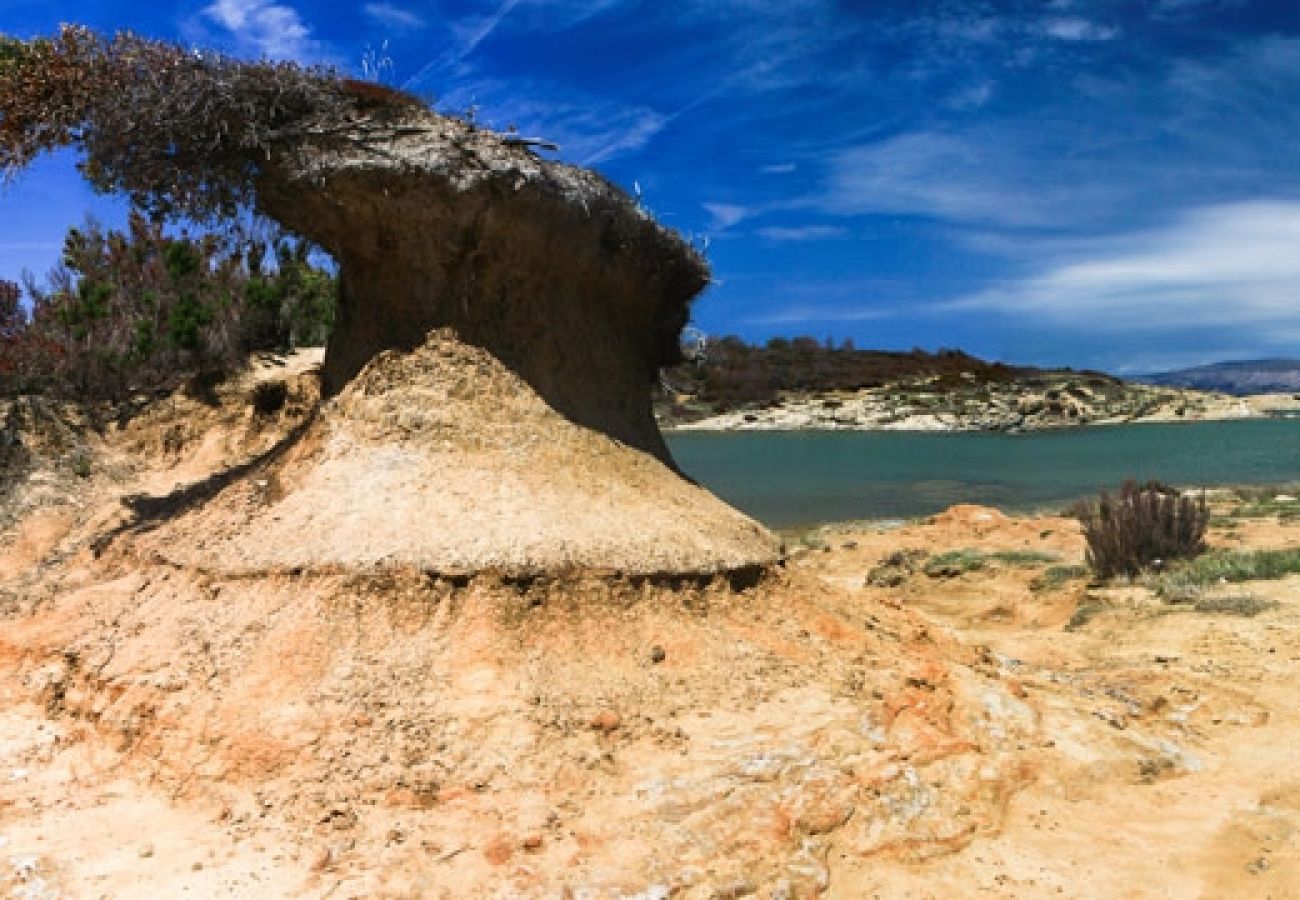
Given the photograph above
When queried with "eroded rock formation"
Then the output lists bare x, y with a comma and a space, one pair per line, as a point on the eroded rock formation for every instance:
445, 459
487, 388
550, 268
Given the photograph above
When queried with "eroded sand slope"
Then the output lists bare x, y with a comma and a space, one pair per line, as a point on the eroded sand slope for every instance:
333, 729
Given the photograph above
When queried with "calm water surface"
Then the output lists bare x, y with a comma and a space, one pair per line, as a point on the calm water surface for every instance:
798, 478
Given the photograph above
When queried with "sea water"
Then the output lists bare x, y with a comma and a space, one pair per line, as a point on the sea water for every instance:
787, 479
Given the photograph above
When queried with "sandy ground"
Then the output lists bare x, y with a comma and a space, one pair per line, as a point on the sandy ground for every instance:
1165, 765
1148, 752
169, 729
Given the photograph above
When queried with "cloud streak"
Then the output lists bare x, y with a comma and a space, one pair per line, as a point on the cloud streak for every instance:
1203, 132
799, 233
392, 16
1071, 28
472, 32
1230, 265
724, 215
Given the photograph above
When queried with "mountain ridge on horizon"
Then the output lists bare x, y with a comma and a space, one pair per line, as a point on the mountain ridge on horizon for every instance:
1241, 376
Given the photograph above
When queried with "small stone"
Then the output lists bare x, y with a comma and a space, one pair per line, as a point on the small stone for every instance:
657, 654
498, 851
197, 867
606, 721
533, 842
146, 851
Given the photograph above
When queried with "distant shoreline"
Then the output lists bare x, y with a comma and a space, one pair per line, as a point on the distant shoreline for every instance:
1012, 412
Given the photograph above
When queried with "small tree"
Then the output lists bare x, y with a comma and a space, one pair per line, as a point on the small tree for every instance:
1141, 525
292, 306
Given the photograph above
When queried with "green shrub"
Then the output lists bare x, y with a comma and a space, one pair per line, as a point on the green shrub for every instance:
1054, 577
1274, 505
1186, 581
954, 563
1024, 558
1141, 526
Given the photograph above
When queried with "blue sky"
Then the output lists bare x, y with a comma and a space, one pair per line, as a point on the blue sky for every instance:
1077, 182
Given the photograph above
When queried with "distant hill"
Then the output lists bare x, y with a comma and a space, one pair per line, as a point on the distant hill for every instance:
730, 373
1251, 376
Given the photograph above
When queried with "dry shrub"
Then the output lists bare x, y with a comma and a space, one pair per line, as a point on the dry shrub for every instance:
1142, 525
182, 132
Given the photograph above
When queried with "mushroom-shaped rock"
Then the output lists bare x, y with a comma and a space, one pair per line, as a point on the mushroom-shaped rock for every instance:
548, 267
503, 318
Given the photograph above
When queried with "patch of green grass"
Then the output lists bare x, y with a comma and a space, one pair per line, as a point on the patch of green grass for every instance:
1027, 558
1282, 506
1186, 581
81, 466
953, 563
959, 562
1088, 608
1235, 605
1054, 577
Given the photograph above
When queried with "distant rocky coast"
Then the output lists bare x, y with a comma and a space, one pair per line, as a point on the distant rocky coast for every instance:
1063, 401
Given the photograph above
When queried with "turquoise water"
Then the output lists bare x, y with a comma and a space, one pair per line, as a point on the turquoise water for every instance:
797, 478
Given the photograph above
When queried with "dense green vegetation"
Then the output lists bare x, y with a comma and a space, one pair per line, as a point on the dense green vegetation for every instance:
139, 308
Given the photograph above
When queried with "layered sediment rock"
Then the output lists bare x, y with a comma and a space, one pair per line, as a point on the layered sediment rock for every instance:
445, 459
521, 436
550, 268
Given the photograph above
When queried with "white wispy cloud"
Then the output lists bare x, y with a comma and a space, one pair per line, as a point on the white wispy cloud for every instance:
811, 315
1073, 28
393, 16
264, 27
588, 128
972, 96
1223, 266
543, 17
625, 131
806, 301
473, 31
943, 175
1120, 151
779, 169
801, 232
724, 215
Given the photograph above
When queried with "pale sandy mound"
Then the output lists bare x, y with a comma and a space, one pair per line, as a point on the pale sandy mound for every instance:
445, 459
385, 734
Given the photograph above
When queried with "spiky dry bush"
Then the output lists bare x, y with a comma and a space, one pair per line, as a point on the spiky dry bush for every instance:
1142, 524
181, 132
